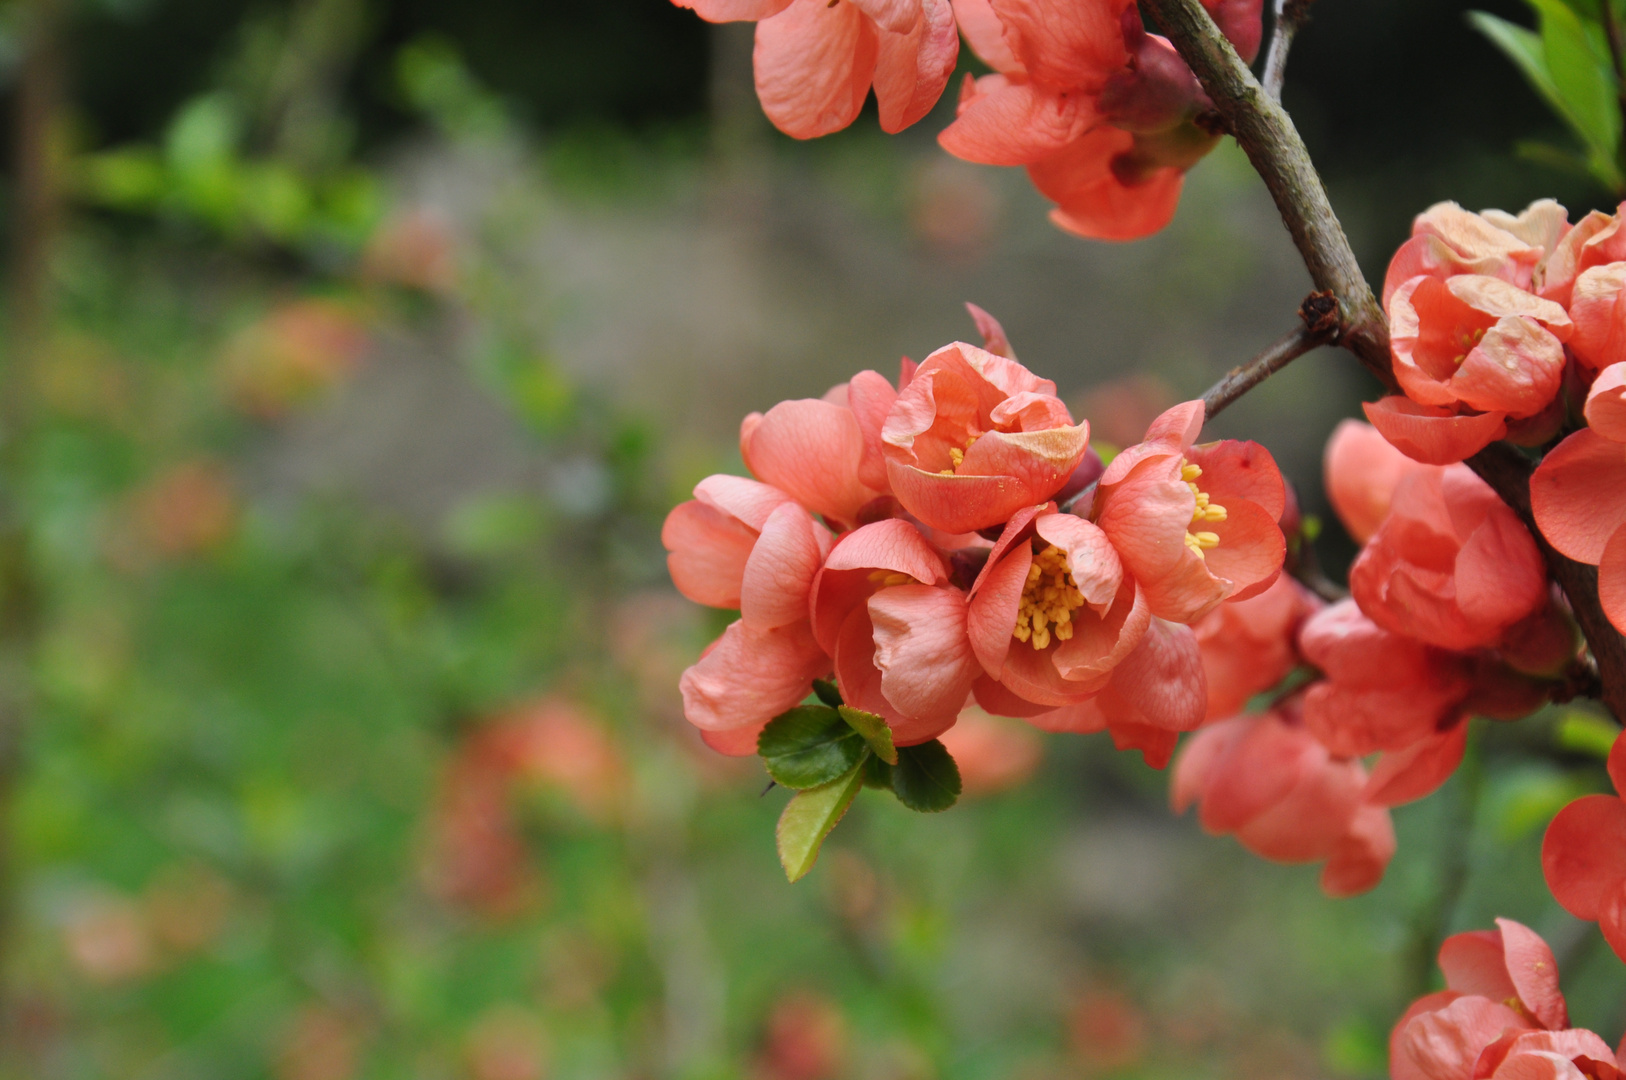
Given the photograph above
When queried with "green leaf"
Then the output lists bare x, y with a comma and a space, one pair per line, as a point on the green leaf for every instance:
1578, 60
874, 730
1583, 733
808, 746
809, 817
826, 692
926, 778
1552, 157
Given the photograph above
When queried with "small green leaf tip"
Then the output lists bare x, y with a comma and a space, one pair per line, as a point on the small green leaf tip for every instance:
810, 816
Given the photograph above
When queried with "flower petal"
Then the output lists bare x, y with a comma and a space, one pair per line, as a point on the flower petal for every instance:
1361, 471
1606, 403
1433, 435
811, 450
986, 35
1534, 972
994, 607
1404, 776
1002, 122
814, 62
706, 553
779, 574
734, 10
750, 676
921, 647
1361, 855
1160, 683
913, 66
1575, 495
1234, 468
1612, 580
1583, 855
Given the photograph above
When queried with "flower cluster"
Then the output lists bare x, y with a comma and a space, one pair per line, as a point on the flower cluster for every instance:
1104, 115
1506, 327
1450, 615
954, 538
1501, 1016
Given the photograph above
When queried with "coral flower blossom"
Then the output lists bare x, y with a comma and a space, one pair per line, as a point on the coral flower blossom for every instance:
1266, 780
745, 545
972, 438
1584, 856
1098, 110
1361, 470
884, 608
1596, 240
1451, 565
1576, 497
812, 449
816, 60
1250, 646
1447, 240
1194, 525
1597, 308
1500, 1016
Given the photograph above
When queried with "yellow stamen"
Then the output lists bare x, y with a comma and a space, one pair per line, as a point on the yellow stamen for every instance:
888, 578
1205, 510
957, 456
1049, 599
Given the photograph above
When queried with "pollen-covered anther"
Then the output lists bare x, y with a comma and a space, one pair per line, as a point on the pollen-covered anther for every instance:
957, 456
1049, 599
887, 578
1204, 510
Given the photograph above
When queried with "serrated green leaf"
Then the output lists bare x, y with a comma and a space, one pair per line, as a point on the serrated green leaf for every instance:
877, 773
826, 691
1582, 733
808, 746
1578, 61
874, 730
925, 778
809, 817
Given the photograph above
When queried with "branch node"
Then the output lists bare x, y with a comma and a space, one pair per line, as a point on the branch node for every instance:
1321, 314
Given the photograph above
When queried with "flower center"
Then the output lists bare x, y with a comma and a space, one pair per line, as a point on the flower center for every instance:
1468, 341
957, 457
885, 579
1206, 510
1048, 600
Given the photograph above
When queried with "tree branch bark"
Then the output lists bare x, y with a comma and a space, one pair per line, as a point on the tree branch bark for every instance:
1317, 330
1267, 135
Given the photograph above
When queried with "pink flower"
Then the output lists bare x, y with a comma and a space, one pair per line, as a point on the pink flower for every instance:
816, 60
1501, 1015
1451, 565
813, 450
1584, 856
1361, 470
1447, 240
1249, 646
1193, 525
1097, 109
1576, 497
1599, 340
1267, 781
972, 438
743, 544
1470, 345
1595, 240
884, 608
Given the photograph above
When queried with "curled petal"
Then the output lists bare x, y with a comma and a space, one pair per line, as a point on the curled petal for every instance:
1599, 340
706, 553
1431, 434
994, 608
1094, 564
921, 647
1361, 471
1407, 775
1574, 495
1016, 123
811, 450
1361, 855
1446, 1042
1606, 403
870, 397
750, 676
993, 334
986, 35
1264, 766
1160, 683
814, 62
1065, 44
1534, 972
779, 574
913, 66
1203, 756
898, 16
1237, 469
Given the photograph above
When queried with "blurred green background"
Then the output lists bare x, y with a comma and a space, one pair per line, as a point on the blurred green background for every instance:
354, 351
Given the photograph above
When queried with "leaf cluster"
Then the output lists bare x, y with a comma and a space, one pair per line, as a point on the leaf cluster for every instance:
1573, 60
826, 753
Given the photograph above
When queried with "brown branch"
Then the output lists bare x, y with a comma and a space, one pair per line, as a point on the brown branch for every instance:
1267, 135
1291, 15
1319, 328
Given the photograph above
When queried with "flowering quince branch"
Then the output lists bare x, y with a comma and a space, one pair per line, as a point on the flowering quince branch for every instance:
1290, 16
1267, 135
1320, 327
